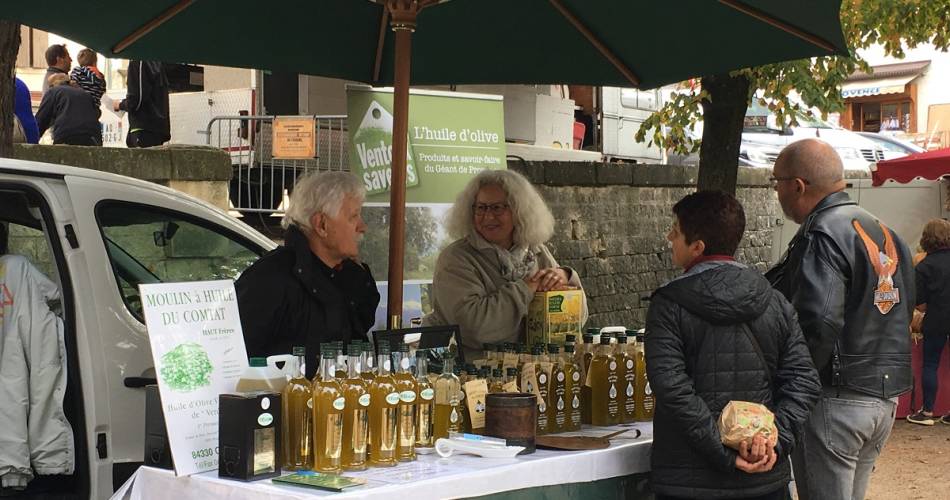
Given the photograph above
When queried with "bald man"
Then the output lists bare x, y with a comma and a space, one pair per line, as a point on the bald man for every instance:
851, 281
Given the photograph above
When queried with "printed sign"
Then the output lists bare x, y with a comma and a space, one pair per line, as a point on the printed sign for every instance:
198, 349
294, 138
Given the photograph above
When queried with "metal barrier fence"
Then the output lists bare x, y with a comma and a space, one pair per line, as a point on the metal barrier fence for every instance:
261, 183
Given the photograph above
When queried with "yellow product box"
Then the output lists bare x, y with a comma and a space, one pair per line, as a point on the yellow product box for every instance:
554, 315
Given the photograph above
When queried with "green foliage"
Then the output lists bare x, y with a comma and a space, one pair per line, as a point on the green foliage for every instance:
893, 24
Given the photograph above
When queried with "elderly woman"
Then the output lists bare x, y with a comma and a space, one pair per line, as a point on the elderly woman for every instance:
933, 289
485, 280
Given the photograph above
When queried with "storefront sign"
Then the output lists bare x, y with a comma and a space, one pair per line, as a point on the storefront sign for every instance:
198, 349
294, 138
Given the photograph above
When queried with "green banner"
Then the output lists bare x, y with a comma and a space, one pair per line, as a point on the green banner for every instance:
452, 137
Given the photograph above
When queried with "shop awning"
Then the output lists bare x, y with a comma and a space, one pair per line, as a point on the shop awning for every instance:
930, 165
878, 86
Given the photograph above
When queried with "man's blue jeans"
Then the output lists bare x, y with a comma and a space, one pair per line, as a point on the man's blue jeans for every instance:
841, 440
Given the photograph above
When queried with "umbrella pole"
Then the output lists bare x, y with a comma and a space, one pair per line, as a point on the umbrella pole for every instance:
403, 23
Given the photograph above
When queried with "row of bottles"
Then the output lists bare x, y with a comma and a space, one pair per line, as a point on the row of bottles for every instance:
350, 419
616, 386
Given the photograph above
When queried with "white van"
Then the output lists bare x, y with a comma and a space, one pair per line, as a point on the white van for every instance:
97, 236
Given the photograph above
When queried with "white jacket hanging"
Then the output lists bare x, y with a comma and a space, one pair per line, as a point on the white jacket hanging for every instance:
35, 436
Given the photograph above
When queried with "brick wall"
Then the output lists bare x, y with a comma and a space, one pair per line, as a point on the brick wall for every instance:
612, 226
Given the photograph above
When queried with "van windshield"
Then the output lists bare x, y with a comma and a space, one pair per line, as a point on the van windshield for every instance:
758, 119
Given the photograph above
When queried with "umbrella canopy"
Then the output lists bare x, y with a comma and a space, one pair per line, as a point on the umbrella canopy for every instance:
625, 43
930, 165
456, 42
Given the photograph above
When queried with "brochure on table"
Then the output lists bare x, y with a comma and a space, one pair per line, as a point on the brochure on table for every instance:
198, 348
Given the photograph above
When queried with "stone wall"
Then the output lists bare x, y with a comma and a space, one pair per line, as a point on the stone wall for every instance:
612, 226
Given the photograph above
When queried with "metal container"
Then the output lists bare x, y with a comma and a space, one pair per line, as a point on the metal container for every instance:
512, 416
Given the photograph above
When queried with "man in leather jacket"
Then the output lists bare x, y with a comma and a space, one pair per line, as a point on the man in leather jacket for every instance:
851, 281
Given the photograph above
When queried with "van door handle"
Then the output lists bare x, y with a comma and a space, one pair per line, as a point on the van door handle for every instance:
139, 382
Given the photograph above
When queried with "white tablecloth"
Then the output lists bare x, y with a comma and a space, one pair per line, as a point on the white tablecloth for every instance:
428, 477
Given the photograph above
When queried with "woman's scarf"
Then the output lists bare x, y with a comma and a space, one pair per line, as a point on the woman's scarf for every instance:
515, 264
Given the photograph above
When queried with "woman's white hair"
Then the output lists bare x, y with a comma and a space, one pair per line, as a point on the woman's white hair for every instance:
321, 192
533, 221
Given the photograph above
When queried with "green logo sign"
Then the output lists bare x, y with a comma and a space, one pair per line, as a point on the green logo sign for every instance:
555, 303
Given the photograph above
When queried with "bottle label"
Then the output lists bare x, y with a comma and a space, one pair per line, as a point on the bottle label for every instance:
427, 394
543, 378
576, 377
339, 403
265, 419
454, 416
648, 391
629, 390
613, 365
407, 396
630, 364
576, 403
560, 404
392, 398
310, 403
613, 392
404, 364
560, 376
364, 400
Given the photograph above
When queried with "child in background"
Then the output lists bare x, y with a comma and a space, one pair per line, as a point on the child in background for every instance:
88, 76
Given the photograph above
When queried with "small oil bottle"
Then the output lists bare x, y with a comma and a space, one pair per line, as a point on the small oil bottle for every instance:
488, 352
408, 393
511, 379
541, 379
448, 400
627, 380
572, 389
383, 410
297, 417
367, 363
328, 408
645, 401
583, 361
356, 414
605, 407
557, 393
425, 405
497, 382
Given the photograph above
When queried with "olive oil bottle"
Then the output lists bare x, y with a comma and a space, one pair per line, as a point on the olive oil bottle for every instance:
356, 412
328, 407
383, 410
605, 404
367, 363
448, 401
340, 363
644, 399
584, 359
297, 417
557, 393
627, 380
408, 393
497, 382
541, 379
572, 389
425, 405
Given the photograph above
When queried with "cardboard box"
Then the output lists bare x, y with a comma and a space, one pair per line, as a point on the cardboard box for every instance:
554, 315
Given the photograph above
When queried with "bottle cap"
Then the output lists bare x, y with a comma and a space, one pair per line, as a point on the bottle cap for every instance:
328, 354
484, 372
471, 370
537, 350
367, 346
588, 338
512, 372
496, 373
570, 338
621, 339
604, 339
257, 362
384, 348
568, 348
554, 349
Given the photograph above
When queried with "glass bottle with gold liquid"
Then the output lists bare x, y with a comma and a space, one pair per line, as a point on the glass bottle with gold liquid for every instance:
644, 400
584, 358
383, 411
367, 362
557, 393
488, 353
328, 406
541, 378
425, 405
356, 412
297, 417
572, 389
627, 380
448, 401
604, 390
511, 379
340, 363
408, 393
497, 382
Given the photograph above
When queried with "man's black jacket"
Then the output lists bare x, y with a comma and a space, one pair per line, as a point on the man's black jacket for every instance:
71, 111
829, 279
288, 298
147, 99
720, 333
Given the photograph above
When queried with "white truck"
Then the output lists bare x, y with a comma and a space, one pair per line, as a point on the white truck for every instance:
97, 236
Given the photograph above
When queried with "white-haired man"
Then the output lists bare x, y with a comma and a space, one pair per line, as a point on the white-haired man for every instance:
312, 289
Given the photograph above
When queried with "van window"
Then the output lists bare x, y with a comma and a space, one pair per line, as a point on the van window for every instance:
150, 245
639, 99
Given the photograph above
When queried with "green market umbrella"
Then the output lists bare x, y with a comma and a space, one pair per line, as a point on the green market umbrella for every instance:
625, 43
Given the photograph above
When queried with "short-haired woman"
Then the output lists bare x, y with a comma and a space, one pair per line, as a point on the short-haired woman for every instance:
933, 288
485, 280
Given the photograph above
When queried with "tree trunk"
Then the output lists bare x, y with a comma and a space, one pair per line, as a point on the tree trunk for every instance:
9, 46
723, 113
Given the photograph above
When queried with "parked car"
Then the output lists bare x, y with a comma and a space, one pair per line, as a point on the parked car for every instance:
98, 236
892, 146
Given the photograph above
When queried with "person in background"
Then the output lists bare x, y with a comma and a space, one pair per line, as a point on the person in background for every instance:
715, 334
933, 287
23, 111
71, 112
146, 102
58, 62
485, 280
313, 289
88, 76
852, 283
